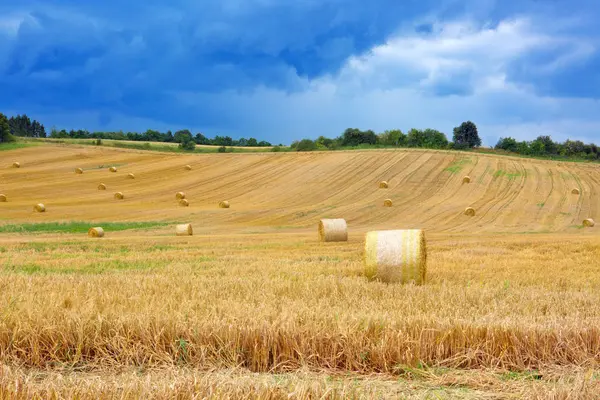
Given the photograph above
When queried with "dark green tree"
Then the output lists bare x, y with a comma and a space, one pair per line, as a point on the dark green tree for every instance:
306, 145
5, 135
182, 136
466, 136
507, 144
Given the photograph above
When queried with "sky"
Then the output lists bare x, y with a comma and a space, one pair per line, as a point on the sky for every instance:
282, 70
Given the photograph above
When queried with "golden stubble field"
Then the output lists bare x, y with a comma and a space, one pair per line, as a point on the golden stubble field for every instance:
253, 306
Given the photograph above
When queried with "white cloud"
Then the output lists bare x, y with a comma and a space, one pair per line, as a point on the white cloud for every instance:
479, 55
388, 88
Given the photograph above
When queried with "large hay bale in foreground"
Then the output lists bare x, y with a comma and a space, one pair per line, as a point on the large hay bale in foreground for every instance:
470, 211
383, 185
16, 165
3, 198
224, 204
396, 256
589, 223
131, 176
180, 195
575, 191
79, 171
387, 203
96, 232
113, 169
184, 203
188, 167
184, 230
333, 230
102, 186
467, 179
119, 196
39, 208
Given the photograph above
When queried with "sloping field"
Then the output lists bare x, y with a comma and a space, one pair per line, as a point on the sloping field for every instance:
253, 306
295, 190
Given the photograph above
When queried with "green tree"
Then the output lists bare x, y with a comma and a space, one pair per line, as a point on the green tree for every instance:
507, 144
434, 139
354, 137
201, 139
546, 142
466, 136
306, 145
182, 136
188, 145
393, 137
5, 135
323, 142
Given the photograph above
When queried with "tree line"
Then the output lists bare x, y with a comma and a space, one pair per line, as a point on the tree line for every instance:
465, 136
544, 146
23, 126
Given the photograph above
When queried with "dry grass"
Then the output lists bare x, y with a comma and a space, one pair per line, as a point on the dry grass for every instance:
253, 297
184, 383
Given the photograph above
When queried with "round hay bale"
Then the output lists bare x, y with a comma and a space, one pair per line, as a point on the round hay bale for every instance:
589, 223
39, 208
131, 176
16, 165
396, 256
119, 196
3, 198
102, 186
467, 179
470, 211
113, 169
383, 185
188, 167
184, 230
184, 203
78, 171
224, 204
575, 191
180, 195
333, 230
387, 203
96, 232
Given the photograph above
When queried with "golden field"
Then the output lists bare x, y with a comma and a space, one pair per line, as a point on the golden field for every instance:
254, 306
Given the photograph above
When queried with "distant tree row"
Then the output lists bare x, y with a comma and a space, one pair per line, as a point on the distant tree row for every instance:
465, 136
22, 125
182, 136
544, 146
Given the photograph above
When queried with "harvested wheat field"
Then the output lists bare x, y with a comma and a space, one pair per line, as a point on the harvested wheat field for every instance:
254, 305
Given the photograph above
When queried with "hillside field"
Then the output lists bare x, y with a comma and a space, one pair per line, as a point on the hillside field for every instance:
254, 306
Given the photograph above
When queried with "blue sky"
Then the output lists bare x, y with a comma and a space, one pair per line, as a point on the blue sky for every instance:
281, 70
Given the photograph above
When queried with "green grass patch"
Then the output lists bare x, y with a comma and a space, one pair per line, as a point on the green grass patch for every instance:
525, 375
97, 267
456, 166
542, 204
511, 176
14, 146
78, 226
